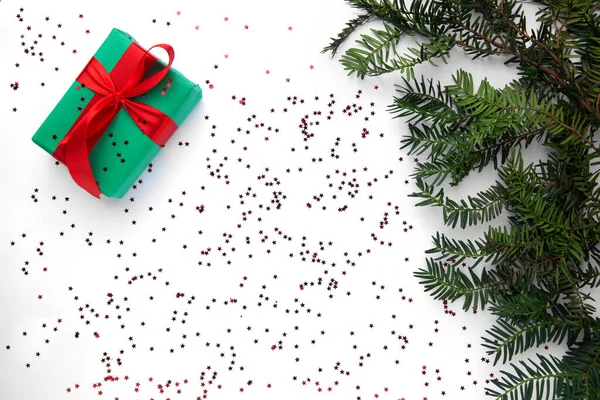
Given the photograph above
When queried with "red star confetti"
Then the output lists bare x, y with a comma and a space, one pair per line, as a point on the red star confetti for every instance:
266, 252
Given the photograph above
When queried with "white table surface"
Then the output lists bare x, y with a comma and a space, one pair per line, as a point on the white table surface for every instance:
292, 303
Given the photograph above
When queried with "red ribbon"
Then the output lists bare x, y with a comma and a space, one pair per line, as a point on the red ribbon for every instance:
113, 91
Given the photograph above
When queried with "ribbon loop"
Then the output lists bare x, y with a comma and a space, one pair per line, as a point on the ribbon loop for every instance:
134, 87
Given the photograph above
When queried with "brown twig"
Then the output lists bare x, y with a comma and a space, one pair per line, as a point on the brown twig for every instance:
570, 128
467, 46
562, 81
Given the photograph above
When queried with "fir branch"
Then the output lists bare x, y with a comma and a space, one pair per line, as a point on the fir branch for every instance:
540, 265
447, 282
457, 250
583, 358
523, 308
506, 340
547, 379
484, 207
378, 54
352, 25
423, 102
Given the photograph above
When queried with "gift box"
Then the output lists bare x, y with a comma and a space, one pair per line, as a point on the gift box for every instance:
117, 115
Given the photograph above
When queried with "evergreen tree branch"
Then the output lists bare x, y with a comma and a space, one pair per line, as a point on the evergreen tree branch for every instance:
524, 308
540, 265
449, 283
505, 340
484, 207
583, 358
351, 26
547, 379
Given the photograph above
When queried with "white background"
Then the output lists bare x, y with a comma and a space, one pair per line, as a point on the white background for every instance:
267, 44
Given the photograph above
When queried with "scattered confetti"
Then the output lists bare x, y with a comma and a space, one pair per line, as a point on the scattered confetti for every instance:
271, 255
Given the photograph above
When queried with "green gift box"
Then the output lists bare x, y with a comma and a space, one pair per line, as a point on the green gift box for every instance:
123, 151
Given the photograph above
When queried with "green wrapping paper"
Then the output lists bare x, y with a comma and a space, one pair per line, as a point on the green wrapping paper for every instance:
123, 152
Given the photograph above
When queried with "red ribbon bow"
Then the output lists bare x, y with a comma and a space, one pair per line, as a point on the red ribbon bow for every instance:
113, 91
